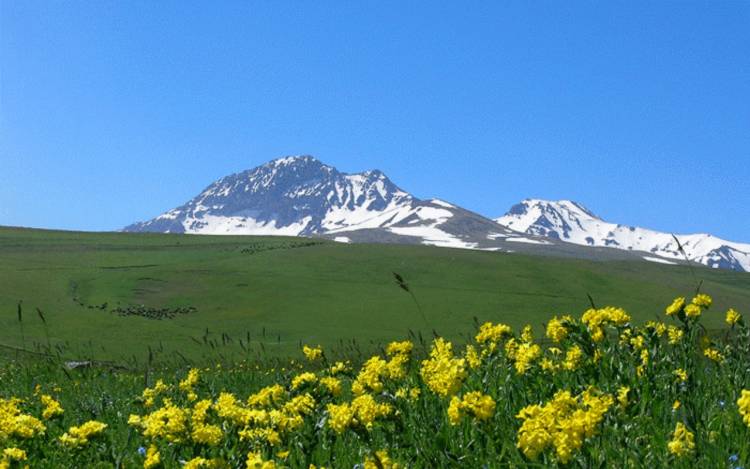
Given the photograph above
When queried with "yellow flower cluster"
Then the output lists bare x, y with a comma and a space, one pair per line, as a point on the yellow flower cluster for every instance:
442, 372
702, 300
713, 354
472, 357
149, 395
362, 412
563, 423
380, 460
77, 437
188, 384
622, 396
312, 353
691, 310
658, 328
674, 334
474, 403
732, 317
153, 457
303, 379
204, 463
676, 306
490, 335
683, 441
169, 422
573, 358
255, 461
743, 403
557, 329
52, 408
399, 348
266, 417
523, 354
10, 455
596, 319
14, 423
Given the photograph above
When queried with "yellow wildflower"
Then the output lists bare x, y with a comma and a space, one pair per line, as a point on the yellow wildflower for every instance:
556, 328
562, 423
692, 310
399, 348
743, 403
702, 300
442, 372
80, 436
200, 462
573, 358
255, 461
683, 441
481, 406
622, 396
525, 355
472, 357
337, 368
14, 454
303, 379
313, 353
714, 355
681, 375
153, 457
333, 385
14, 423
490, 334
675, 334
52, 408
732, 317
676, 306
370, 376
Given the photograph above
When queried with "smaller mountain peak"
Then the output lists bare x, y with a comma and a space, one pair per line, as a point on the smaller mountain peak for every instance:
566, 205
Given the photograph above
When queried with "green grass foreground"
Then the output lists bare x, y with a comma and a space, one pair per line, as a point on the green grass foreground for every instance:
600, 393
257, 296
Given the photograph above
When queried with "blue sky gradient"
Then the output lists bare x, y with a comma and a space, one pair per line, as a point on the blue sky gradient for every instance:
113, 112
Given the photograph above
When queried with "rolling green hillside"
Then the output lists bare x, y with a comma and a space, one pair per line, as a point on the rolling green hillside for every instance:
279, 291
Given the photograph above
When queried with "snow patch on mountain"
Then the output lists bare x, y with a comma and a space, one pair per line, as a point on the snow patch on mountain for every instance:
659, 260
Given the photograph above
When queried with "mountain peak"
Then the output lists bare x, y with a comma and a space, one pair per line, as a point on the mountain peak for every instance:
571, 222
564, 205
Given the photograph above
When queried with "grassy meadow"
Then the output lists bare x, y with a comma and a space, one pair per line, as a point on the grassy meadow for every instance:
131, 350
268, 294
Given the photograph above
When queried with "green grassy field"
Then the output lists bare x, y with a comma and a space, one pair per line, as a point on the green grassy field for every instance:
276, 292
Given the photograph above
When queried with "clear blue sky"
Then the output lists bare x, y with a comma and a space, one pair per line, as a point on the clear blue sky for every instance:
113, 112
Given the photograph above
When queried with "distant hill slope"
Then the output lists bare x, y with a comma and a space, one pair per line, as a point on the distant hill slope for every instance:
569, 221
111, 295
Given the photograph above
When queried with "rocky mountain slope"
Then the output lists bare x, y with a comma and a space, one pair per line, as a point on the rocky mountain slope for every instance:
571, 222
301, 196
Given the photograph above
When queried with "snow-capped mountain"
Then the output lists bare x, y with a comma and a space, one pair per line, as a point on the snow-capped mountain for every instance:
301, 196
570, 222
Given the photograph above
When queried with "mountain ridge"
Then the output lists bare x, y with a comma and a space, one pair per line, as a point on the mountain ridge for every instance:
302, 196
571, 222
